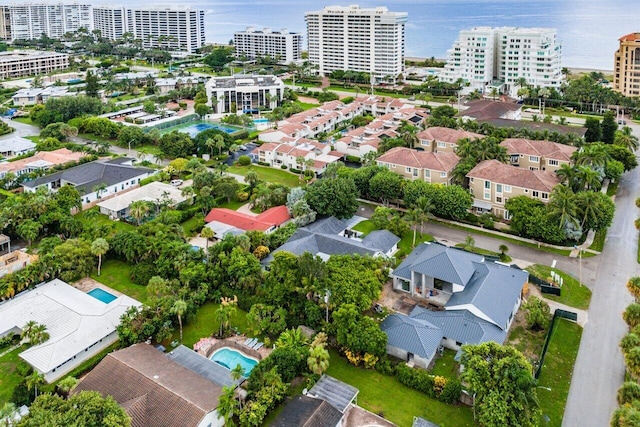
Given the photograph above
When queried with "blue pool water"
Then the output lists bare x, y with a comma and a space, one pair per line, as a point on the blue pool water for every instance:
260, 121
230, 358
194, 130
102, 295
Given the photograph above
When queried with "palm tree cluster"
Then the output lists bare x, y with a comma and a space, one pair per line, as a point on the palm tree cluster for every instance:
34, 333
472, 152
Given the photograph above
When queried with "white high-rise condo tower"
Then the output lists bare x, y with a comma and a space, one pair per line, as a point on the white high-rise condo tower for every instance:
352, 38
505, 58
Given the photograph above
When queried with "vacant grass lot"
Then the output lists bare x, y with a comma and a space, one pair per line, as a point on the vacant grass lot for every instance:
115, 274
557, 370
405, 246
88, 217
9, 378
268, 174
386, 396
574, 294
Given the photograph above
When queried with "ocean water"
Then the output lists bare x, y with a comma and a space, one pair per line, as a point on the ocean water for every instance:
588, 29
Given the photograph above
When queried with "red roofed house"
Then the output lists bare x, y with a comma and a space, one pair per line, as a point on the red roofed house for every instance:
223, 221
423, 165
444, 140
492, 183
538, 154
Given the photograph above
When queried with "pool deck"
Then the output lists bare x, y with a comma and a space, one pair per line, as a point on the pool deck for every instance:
207, 346
86, 284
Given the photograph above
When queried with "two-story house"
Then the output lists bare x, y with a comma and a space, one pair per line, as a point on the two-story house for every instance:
538, 154
289, 151
412, 164
476, 301
439, 139
492, 183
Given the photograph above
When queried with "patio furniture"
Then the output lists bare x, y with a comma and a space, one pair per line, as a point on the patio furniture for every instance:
246, 342
258, 346
252, 342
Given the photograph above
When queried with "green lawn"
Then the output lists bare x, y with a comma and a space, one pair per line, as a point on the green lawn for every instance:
573, 293
445, 366
268, 174
234, 205
385, 395
101, 219
598, 241
558, 369
25, 120
205, 324
365, 227
115, 274
193, 223
10, 378
307, 105
150, 149
481, 251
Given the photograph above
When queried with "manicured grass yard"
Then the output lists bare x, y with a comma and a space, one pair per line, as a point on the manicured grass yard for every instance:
101, 219
382, 394
598, 241
573, 293
445, 366
365, 227
268, 174
558, 369
405, 246
10, 378
205, 324
115, 274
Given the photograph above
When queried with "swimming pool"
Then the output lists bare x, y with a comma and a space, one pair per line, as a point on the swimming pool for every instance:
102, 295
260, 121
230, 358
194, 130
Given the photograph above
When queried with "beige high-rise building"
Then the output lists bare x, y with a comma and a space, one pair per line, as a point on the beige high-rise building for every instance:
626, 75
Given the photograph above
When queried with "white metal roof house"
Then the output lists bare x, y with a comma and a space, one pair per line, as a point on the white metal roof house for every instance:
477, 299
16, 146
154, 192
79, 325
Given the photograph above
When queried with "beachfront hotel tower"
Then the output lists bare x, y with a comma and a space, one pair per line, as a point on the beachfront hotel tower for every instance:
626, 69
487, 58
352, 38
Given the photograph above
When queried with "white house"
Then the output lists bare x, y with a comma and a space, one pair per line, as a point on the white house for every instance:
16, 146
244, 94
79, 325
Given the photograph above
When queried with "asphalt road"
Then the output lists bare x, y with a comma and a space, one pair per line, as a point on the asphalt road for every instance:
599, 369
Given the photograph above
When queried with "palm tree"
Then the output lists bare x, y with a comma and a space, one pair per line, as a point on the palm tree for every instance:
567, 175
219, 142
469, 242
227, 405
8, 414
426, 205
39, 334
626, 138
178, 308
207, 234
562, 205
587, 178
291, 338
503, 251
139, 210
237, 372
633, 285
34, 380
225, 311
318, 359
67, 384
99, 247
27, 330
414, 217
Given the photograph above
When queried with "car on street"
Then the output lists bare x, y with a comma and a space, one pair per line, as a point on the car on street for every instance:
176, 182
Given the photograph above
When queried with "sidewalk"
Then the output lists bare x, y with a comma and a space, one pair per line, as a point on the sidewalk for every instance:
583, 315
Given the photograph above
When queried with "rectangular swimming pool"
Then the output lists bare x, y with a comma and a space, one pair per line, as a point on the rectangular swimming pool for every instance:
102, 295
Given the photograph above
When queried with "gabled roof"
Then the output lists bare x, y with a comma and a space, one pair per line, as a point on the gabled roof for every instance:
442, 134
322, 238
85, 177
152, 192
443, 162
493, 292
306, 411
484, 109
16, 144
74, 321
42, 159
439, 261
152, 388
542, 148
271, 217
416, 336
460, 325
495, 171
338, 394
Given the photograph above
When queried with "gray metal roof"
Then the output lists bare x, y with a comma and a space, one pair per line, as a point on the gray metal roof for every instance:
382, 240
421, 422
417, 336
439, 261
322, 237
306, 411
493, 290
202, 366
338, 394
85, 177
461, 325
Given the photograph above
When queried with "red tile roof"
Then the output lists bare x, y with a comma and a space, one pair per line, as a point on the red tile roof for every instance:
631, 37
271, 217
548, 149
494, 171
484, 109
443, 134
444, 162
